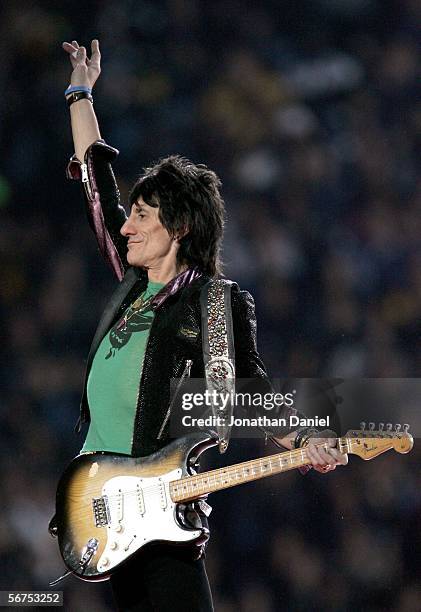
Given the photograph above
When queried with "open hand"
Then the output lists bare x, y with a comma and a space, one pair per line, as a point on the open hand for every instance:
85, 70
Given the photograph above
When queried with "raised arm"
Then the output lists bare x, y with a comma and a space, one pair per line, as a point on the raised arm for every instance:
86, 71
92, 160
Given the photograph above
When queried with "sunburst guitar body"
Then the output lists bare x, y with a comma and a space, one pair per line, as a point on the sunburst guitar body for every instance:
109, 506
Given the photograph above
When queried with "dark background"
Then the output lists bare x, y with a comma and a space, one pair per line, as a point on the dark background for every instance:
309, 111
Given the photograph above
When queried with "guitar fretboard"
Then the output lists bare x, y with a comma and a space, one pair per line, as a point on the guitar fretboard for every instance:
192, 487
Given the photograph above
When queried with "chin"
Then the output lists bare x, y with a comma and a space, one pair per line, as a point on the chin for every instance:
134, 261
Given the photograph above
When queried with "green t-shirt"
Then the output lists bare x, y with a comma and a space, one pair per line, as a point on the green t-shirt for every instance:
113, 383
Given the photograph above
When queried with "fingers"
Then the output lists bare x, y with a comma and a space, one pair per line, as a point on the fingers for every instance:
85, 70
322, 454
318, 455
324, 469
81, 55
78, 53
74, 49
95, 60
71, 49
95, 48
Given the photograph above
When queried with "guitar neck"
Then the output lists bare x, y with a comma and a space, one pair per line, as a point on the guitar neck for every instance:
192, 487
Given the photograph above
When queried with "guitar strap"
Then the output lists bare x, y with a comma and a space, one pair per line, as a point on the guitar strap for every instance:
219, 353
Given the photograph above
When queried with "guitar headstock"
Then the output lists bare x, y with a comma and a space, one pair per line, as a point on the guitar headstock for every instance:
369, 443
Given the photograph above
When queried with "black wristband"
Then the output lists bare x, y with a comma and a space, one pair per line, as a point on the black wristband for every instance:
302, 437
299, 437
79, 95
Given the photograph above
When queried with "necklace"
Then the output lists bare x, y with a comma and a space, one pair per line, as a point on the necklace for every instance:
141, 304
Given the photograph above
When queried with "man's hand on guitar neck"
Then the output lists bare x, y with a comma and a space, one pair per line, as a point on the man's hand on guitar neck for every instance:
321, 450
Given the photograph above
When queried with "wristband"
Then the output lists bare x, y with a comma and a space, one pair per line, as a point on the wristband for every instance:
74, 88
303, 436
299, 437
79, 95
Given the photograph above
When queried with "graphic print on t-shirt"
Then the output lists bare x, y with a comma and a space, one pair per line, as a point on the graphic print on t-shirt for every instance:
115, 375
136, 318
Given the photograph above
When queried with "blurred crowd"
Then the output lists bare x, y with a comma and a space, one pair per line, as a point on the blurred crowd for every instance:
309, 112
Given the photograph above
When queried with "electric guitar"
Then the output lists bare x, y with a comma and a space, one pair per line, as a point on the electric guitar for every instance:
109, 506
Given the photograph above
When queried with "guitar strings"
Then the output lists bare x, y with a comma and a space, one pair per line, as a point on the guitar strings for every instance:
227, 472
206, 478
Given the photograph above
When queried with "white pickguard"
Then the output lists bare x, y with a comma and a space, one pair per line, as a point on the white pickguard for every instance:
140, 510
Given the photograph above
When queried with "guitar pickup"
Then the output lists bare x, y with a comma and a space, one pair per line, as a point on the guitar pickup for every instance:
162, 496
101, 511
140, 499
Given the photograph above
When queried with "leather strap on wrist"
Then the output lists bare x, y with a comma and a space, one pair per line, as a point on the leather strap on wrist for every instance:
303, 436
79, 95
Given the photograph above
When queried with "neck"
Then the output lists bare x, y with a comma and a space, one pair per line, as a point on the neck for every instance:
165, 272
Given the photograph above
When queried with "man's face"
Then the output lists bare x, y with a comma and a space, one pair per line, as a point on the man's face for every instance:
149, 244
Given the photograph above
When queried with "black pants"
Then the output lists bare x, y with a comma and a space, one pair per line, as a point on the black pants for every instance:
162, 578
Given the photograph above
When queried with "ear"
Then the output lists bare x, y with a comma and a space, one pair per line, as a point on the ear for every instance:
181, 233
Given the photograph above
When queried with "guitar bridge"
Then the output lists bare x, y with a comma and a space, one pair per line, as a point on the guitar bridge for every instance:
101, 511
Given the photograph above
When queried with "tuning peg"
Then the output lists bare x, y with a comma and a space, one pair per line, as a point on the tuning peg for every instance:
381, 425
389, 427
397, 427
362, 425
406, 427
371, 426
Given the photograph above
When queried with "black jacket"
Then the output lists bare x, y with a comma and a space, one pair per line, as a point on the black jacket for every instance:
175, 335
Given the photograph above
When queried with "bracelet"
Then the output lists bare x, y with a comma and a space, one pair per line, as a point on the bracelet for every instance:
298, 438
305, 441
74, 88
79, 95
303, 436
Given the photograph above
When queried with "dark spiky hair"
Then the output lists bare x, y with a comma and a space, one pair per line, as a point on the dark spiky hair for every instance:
190, 205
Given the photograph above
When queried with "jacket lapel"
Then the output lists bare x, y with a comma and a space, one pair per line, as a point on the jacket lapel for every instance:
131, 277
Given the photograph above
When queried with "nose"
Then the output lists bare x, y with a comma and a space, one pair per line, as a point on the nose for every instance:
127, 229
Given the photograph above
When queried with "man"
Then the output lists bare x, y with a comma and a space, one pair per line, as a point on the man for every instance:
163, 253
